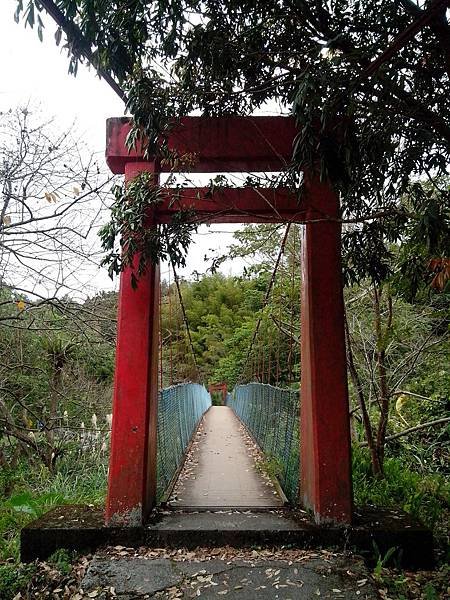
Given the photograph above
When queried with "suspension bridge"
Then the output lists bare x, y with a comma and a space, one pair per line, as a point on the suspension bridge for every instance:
225, 473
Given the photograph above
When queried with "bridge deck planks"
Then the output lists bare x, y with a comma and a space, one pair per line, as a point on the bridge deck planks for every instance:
221, 471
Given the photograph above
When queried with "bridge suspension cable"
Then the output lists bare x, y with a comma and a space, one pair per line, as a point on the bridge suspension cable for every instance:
265, 303
291, 344
185, 320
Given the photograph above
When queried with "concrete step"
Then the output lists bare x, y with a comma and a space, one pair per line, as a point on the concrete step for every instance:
374, 531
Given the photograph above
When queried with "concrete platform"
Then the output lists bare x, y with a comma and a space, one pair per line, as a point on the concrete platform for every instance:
220, 470
135, 577
81, 528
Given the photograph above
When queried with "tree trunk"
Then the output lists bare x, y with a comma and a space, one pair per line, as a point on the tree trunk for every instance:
384, 396
376, 466
56, 386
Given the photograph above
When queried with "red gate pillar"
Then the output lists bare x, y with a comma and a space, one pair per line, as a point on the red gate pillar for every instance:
325, 458
132, 467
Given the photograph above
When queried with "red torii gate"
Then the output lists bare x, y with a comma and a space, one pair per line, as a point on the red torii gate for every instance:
236, 144
221, 388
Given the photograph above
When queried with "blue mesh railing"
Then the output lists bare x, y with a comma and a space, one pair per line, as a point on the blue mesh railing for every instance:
180, 409
271, 415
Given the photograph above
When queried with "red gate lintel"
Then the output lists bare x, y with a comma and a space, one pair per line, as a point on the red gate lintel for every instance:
222, 144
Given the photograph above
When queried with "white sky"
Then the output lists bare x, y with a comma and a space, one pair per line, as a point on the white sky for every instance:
36, 73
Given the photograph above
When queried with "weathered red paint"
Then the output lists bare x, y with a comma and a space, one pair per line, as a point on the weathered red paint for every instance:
246, 205
242, 144
325, 467
235, 205
132, 468
221, 144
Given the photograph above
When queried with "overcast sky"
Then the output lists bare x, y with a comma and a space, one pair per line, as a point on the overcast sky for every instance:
36, 73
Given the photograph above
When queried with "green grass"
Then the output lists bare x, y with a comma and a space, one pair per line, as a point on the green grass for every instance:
424, 496
62, 560
30, 490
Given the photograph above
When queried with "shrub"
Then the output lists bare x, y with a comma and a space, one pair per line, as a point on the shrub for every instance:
425, 497
14, 578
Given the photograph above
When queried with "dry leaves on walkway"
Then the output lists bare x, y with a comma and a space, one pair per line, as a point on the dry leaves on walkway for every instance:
49, 583
254, 451
190, 465
225, 553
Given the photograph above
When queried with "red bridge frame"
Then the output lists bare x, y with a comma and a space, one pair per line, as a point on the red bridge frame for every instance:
236, 144
221, 388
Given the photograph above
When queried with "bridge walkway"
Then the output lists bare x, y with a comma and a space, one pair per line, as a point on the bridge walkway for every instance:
220, 470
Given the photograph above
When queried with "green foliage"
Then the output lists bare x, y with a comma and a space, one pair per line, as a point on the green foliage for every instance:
30, 490
128, 234
216, 398
382, 560
54, 374
426, 497
271, 466
14, 578
370, 135
395, 347
35, 507
62, 560
430, 592
402, 585
216, 306
99, 365
223, 312
425, 238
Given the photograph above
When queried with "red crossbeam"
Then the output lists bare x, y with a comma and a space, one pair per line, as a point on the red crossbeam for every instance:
234, 205
249, 205
221, 144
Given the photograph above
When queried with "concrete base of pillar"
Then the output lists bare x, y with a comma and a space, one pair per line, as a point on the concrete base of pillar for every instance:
82, 529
